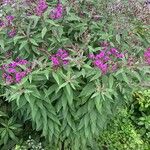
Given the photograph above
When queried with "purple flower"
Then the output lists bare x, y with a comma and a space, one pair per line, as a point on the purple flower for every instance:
6, 2
18, 77
57, 12
120, 55
114, 67
41, 7
11, 70
9, 19
2, 24
114, 51
13, 64
12, 33
106, 59
55, 61
13, 73
100, 55
22, 62
9, 79
4, 75
91, 56
60, 58
103, 67
147, 56
104, 44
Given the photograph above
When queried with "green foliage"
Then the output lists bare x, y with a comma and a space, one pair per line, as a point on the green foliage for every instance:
122, 135
29, 144
71, 105
9, 126
140, 111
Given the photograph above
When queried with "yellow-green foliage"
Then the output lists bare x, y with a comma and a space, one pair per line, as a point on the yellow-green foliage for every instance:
143, 99
122, 135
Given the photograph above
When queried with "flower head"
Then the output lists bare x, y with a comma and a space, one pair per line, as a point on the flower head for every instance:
106, 59
57, 12
60, 58
13, 73
41, 7
12, 33
9, 19
147, 56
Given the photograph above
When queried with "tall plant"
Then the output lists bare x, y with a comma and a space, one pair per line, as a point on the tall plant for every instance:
63, 71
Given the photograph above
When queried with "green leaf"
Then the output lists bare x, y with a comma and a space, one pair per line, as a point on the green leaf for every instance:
62, 85
23, 43
44, 30
88, 89
125, 78
98, 103
6, 137
52, 22
135, 74
111, 81
16, 38
69, 90
64, 101
33, 42
86, 120
96, 76
69, 95
118, 38
2, 44
2, 114
12, 135
55, 76
27, 97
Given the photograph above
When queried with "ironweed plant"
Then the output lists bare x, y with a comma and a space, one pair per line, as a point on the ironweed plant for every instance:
65, 67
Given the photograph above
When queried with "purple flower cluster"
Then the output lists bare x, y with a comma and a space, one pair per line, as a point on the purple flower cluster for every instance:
12, 33
9, 19
13, 73
147, 56
7, 22
2, 24
60, 58
6, 2
57, 12
41, 7
105, 60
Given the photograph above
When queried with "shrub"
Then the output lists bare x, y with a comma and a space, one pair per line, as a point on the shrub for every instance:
122, 135
78, 72
10, 127
140, 113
